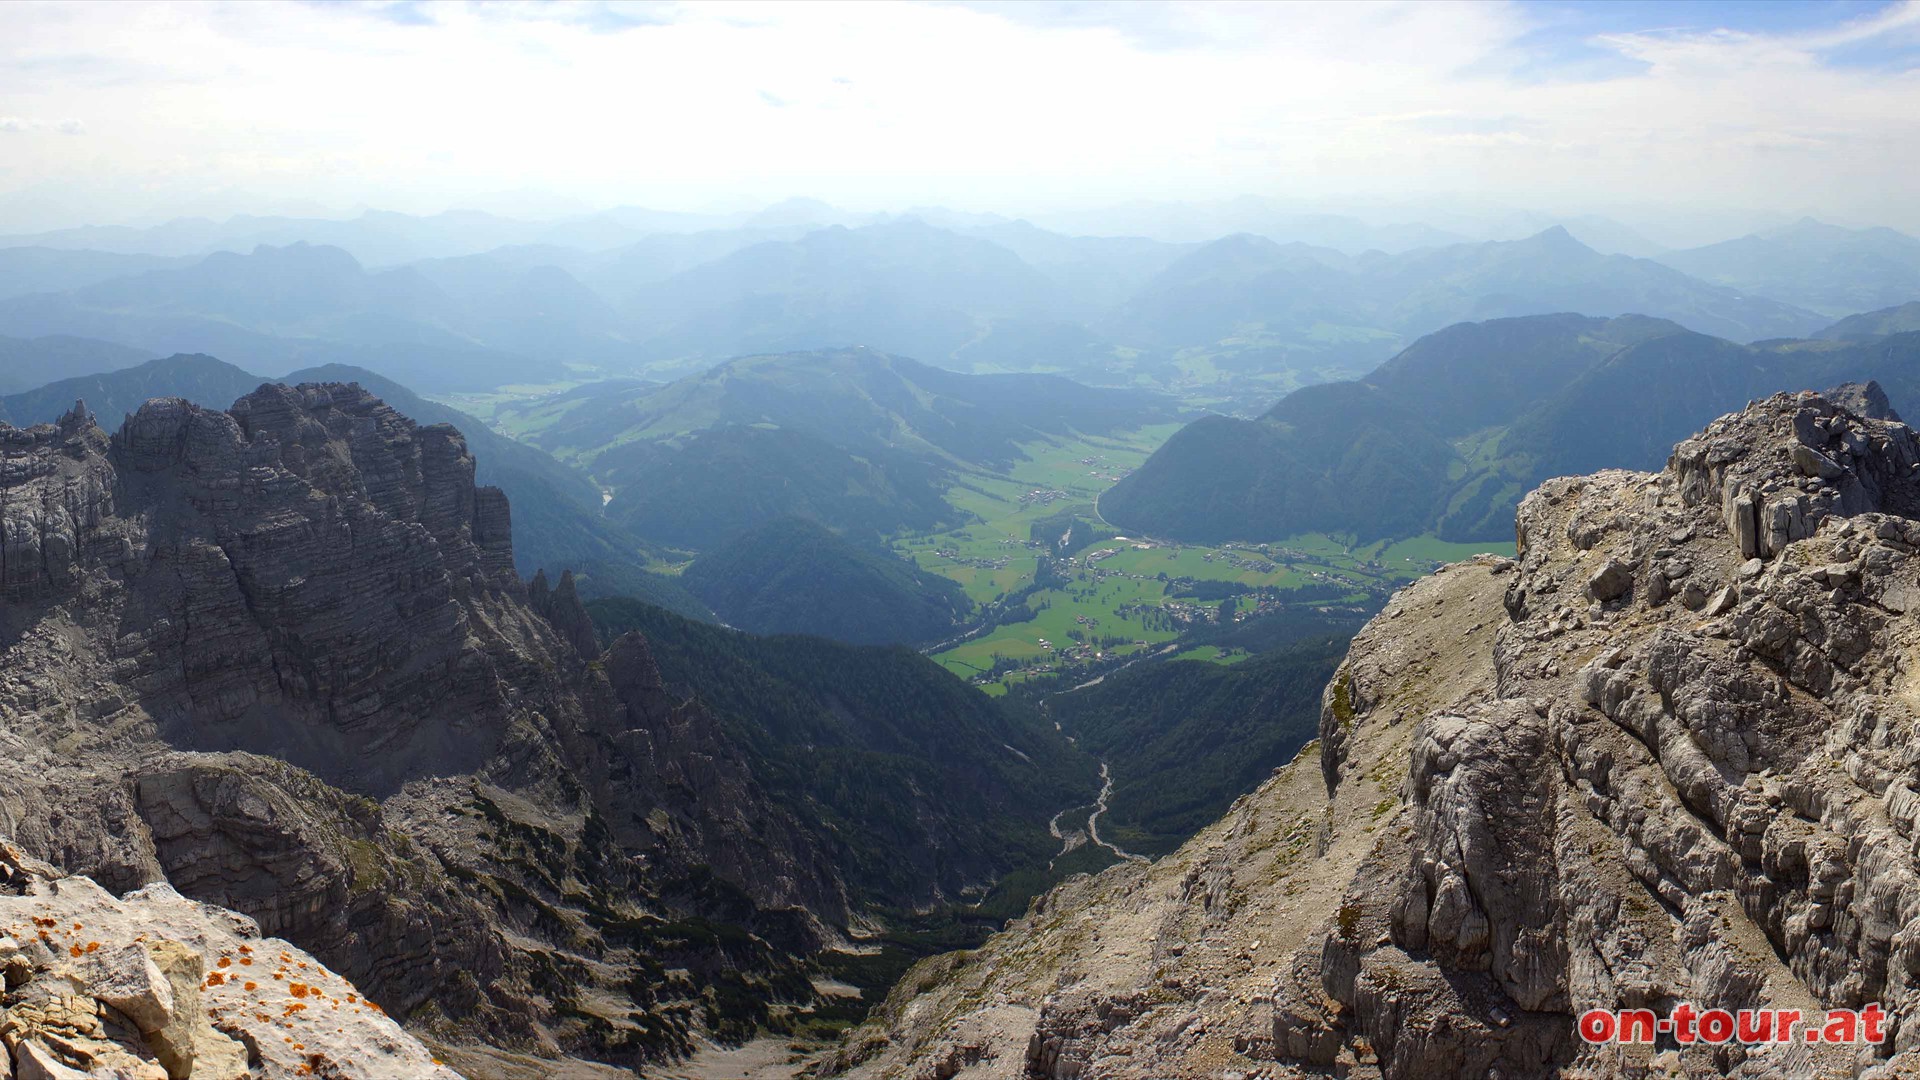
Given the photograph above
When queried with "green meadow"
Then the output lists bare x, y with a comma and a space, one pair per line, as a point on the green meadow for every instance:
1124, 587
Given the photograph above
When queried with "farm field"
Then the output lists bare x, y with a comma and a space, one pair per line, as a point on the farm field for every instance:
1107, 595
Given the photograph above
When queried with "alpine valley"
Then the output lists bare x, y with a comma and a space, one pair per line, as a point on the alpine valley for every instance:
939, 646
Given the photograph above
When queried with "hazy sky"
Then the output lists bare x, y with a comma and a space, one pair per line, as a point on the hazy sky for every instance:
119, 110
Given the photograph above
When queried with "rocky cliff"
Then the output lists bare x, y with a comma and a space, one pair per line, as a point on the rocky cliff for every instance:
277, 658
1665, 755
153, 986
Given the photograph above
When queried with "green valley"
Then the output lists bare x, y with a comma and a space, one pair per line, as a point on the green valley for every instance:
1065, 592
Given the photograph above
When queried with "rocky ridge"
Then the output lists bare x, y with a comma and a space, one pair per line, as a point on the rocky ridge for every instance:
1665, 755
278, 658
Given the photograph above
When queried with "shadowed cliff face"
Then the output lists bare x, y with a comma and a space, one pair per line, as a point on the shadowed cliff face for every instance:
224, 636
1665, 755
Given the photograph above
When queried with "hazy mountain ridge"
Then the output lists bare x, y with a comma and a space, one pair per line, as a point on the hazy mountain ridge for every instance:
794, 576
1830, 269
858, 440
994, 296
558, 506
1448, 435
29, 363
1875, 324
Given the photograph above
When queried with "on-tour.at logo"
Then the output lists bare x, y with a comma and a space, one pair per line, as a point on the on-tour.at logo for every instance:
1688, 1024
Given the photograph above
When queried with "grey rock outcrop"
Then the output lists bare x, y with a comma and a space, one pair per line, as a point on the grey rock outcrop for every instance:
278, 658
1665, 755
153, 986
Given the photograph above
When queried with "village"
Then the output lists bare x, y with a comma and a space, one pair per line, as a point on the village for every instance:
1168, 604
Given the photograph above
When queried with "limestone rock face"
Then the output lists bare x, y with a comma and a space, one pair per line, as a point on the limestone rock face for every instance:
277, 657
1667, 754
157, 987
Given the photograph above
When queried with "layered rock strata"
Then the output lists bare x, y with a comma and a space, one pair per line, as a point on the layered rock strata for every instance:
277, 657
1668, 754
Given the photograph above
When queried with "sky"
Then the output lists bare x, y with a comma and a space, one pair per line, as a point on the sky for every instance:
136, 112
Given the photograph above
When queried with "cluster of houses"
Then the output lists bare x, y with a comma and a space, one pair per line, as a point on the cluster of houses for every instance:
1043, 497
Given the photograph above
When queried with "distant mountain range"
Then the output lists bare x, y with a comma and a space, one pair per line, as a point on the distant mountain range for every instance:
1875, 324
25, 364
555, 507
856, 439
1244, 314
388, 238
1829, 269
302, 305
1449, 434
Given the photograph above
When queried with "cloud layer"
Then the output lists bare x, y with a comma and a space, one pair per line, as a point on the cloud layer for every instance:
979, 105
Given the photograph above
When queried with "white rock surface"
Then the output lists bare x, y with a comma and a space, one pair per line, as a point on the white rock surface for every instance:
154, 986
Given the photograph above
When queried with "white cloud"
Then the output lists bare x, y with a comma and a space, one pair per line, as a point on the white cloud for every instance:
422, 105
15, 125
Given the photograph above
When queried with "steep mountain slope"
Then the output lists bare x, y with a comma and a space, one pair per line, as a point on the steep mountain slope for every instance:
707, 488
558, 507
120, 393
1375, 457
1904, 319
794, 576
859, 740
279, 658
27, 363
1485, 412
856, 439
1657, 760
1297, 469
1184, 738
862, 399
1815, 265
